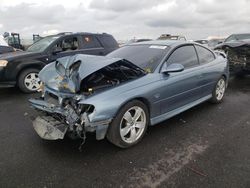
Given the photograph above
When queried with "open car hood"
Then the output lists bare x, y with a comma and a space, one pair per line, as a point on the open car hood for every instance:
66, 73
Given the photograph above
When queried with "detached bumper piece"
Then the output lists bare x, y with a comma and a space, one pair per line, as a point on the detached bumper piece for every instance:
49, 128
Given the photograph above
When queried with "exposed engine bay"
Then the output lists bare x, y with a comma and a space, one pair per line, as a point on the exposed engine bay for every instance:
110, 76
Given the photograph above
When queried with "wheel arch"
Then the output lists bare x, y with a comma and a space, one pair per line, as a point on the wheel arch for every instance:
225, 76
146, 102
112, 130
38, 66
141, 99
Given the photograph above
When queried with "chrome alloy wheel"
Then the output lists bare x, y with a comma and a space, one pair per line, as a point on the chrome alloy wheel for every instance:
133, 124
32, 81
220, 89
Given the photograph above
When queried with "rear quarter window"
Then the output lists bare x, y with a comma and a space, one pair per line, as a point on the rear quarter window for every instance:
90, 42
205, 55
108, 41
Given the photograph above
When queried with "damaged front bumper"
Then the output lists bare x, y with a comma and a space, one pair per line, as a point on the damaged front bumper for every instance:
50, 128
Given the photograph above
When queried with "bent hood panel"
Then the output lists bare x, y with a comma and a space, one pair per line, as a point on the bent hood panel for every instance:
88, 65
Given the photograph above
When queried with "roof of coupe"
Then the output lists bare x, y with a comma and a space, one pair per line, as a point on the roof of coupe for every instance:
171, 43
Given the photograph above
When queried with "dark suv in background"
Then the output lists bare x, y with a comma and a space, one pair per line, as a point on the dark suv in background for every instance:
22, 68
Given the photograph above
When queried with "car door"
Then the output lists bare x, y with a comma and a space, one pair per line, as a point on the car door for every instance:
67, 46
181, 88
210, 73
90, 45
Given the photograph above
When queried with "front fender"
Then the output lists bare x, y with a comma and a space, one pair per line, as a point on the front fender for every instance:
14, 68
29, 64
108, 108
108, 103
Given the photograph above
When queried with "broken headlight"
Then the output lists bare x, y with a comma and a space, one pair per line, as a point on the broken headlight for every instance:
88, 108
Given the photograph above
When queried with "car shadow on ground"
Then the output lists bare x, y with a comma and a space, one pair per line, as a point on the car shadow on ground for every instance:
239, 84
92, 147
14, 92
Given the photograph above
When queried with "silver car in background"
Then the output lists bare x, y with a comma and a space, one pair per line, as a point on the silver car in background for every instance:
118, 96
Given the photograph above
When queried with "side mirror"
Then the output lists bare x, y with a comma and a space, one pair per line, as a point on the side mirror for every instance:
175, 67
56, 50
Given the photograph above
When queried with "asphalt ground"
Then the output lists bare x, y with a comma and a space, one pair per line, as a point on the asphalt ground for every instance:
206, 146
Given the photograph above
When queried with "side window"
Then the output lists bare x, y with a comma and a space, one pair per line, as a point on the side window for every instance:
108, 41
90, 42
184, 55
68, 44
205, 56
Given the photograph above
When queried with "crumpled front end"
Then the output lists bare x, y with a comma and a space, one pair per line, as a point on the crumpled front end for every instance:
69, 85
239, 58
60, 114
238, 55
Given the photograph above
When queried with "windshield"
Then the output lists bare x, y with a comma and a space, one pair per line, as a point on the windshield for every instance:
42, 44
146, 57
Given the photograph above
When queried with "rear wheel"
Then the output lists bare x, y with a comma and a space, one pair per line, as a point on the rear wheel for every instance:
28, 80
130, 125
219, 91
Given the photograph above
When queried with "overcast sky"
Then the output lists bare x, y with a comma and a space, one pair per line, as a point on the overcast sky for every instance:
125, 19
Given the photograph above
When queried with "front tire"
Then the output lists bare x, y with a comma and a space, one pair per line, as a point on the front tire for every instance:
219, 91
129, 125
28, 81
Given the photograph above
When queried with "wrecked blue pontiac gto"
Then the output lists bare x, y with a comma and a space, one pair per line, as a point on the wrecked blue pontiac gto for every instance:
118, 96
